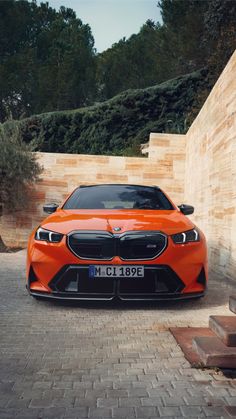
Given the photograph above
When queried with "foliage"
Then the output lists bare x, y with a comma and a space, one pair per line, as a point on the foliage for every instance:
47, 59
121, 124
18, 168
220, 33
194, 34
129, 64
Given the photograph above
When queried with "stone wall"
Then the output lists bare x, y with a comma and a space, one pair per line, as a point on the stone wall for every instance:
210, 176
64, 172
167, 153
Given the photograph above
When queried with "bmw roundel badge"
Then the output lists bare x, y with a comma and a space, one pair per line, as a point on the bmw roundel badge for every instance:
117, 228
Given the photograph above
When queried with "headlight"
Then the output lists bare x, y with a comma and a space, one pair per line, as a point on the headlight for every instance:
186, 237
48, 236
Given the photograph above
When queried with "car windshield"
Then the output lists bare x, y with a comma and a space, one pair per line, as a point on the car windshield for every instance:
118, 197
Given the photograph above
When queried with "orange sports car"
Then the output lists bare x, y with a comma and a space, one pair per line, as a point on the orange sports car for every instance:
117, 241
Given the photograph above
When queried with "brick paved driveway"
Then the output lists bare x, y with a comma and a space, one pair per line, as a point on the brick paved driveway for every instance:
102, 361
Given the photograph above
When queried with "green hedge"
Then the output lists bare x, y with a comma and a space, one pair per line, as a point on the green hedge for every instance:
119, 125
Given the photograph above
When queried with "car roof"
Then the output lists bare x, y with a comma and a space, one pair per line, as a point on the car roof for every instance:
119, 184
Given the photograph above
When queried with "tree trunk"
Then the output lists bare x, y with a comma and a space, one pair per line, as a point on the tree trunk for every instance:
3, 247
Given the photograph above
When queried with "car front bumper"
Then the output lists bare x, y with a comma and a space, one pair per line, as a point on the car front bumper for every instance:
179, 272
72, 282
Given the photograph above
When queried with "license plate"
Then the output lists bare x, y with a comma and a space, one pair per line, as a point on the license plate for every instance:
112, 271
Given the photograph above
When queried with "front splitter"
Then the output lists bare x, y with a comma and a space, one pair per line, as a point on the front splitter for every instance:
133, 297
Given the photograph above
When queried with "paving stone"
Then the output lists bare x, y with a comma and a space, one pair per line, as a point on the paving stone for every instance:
4, 400
76, 361
77, 393
137, 392
169, 411
145, 412
82, 385
122, 385
49, 413
103, 412
118, 393
231, 400
64, 402
213, 411
41, 403
129, 401
107, 402
123, 412
173, 401
195, 401
8, 413
158, 392
26, 413
86, 402
63, 385
76, 412
140, 384
191, 411
151, 401
42, 385
102, 385
18, 403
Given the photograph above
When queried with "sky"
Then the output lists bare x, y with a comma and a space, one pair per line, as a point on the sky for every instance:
111, 20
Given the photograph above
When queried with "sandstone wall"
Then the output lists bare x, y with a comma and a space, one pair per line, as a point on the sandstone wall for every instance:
64, 172
168, 153
210, 177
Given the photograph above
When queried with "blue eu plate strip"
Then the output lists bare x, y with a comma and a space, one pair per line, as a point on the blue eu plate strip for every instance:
91, 271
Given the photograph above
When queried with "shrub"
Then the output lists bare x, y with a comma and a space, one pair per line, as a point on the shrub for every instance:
18, 167
120, 125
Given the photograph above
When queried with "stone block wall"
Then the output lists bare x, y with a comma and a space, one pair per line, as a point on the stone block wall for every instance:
168, 153
210, 173
64, 172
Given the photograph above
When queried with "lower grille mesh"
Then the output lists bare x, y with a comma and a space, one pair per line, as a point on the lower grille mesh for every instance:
158, 280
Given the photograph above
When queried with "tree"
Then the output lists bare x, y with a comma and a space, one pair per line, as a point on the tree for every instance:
47, 59
198, 33
20, 24
219, 36
194, 34
18, 169
129, 64
158, 52
181, 34
66, 76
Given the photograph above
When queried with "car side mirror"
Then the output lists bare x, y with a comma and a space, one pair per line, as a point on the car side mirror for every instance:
50, 208
186, 209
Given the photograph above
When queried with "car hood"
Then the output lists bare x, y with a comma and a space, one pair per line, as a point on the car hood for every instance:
66, 221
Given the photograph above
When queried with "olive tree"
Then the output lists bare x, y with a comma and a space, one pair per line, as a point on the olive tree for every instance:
18, 170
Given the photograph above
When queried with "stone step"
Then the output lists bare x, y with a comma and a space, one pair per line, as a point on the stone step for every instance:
232, 304
225, 328
214, 353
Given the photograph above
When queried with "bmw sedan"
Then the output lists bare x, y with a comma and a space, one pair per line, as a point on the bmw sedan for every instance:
117, 241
